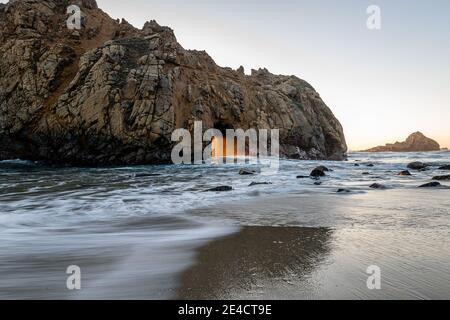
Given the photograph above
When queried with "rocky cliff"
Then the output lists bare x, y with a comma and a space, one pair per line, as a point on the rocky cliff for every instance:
112, 94
416, 142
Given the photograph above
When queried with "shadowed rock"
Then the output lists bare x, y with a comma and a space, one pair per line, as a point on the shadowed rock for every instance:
259, 183
324, 169
417, 165
404, 173
446, 167
220, 189
245, 172
317, 173
378, 186
430, 185
145, 175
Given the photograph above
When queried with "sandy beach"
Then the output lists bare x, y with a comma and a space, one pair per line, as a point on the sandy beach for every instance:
326, 262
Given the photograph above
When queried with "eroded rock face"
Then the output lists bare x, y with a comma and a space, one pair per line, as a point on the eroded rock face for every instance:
416, 142
112, 94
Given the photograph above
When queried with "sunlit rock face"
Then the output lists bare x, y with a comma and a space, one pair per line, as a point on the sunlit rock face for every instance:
112, 94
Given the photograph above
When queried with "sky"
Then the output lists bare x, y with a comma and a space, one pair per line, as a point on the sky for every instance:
381, 84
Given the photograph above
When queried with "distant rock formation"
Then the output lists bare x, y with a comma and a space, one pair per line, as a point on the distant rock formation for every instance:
416, 142
113, 94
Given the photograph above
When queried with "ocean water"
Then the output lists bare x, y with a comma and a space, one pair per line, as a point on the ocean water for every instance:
147, 232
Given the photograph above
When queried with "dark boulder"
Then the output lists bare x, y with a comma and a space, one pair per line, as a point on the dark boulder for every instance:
220, 189
417, 165
342, 190
316, 173
259, 183
324, 169
446, 167
378, 186
404, 173
245, 172
430, 185
145, 175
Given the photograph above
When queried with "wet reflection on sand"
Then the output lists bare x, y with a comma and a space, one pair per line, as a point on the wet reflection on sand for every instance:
254, 260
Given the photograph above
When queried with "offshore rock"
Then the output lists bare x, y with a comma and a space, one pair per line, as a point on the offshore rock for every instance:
416, 142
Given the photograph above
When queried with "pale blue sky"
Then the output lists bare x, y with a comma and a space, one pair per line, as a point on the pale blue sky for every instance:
382, 85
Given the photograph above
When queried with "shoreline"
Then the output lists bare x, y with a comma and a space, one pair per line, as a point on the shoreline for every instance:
273, 259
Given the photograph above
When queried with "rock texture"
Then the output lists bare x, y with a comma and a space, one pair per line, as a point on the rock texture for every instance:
417, 165
113, 94
416, 142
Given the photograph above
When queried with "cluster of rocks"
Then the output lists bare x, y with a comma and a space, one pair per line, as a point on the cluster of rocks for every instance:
321, 171
113, 94
420, 166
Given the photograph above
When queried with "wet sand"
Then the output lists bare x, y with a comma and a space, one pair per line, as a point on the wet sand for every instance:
318, 263
411, 245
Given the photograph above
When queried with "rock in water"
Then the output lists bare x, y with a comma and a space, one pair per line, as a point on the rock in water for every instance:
417, 166
430, 185
116, 93
442, 178
416, 142
378, 186
324, 169
244, 172
316, 173
404, 173
259, 183
446, 167
220, 189
145, 175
